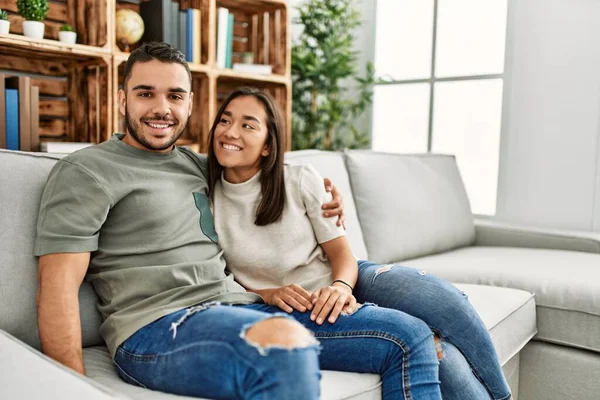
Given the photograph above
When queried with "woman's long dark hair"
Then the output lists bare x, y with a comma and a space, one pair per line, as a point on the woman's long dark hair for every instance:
272, 182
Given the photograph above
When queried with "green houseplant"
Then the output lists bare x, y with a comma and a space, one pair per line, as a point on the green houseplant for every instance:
67, 34
323, 61
4, 22
34, 12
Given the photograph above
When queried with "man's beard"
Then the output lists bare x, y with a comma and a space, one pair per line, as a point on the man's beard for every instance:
133, 130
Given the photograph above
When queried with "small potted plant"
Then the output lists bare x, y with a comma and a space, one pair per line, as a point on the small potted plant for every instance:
67, 34
34, 12
4, 22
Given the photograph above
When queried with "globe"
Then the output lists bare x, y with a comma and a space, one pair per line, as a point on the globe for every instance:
129, 28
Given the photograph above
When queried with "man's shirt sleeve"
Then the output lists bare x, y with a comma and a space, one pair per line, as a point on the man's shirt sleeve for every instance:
73, 208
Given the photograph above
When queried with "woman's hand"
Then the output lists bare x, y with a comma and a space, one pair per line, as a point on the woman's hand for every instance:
330, 301
288, 298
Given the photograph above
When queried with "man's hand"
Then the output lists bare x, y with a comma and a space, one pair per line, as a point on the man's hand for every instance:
330, 301
336, 206
288, 298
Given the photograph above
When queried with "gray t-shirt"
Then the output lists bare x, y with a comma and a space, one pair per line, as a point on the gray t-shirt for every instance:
286, 251
146, 219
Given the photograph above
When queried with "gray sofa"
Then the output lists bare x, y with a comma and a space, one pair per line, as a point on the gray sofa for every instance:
538, 291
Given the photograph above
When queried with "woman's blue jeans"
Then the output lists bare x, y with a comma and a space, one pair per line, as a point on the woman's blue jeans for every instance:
469, 368
203, 351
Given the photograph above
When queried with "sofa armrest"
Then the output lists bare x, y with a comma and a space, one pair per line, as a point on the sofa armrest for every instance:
495, 233
29, 374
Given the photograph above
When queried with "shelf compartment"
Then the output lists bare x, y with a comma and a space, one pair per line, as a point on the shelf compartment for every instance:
87, 17
74, 96
261, 28
46, 48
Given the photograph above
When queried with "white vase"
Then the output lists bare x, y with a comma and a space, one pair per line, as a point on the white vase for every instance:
33, 29
4, 26
67, 37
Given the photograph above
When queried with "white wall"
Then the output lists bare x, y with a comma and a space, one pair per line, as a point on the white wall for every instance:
550, 146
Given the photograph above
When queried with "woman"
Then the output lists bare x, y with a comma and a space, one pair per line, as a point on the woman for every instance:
278, 246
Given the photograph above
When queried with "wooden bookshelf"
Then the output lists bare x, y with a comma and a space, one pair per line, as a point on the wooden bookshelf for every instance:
79, 83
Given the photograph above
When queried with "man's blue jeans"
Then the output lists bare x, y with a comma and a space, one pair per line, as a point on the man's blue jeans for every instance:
203, 351
466, 344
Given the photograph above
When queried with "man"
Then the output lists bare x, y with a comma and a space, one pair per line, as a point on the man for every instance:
135, 209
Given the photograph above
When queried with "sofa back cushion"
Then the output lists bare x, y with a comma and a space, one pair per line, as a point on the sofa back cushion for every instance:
409, 205
22, 179
331, 165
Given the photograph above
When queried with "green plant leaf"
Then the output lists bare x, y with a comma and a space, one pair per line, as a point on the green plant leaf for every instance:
323, 62
33, 10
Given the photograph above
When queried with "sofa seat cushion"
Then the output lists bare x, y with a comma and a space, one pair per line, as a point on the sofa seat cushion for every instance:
334, 384
508, 314
566, 285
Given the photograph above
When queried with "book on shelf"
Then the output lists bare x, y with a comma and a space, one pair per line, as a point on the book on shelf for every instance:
222, 32
229, 47
35, 118
183, 33
174, 18
12, 119
20, 113
190, 35
260, 69
23, 86
195, 38
63, 147
2, 114
158, 22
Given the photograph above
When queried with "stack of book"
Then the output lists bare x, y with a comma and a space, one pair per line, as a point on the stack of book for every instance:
225, 38
174, 23
19, 113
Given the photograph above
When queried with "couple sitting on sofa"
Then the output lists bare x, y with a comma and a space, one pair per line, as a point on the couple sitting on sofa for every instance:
176, 321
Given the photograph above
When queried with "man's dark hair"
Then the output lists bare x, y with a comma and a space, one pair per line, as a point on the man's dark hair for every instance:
270, 208
155, 51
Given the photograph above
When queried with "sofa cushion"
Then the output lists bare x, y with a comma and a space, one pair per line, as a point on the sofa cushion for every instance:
28, 374
23, 178
508, 314
409, 205
550, 371
331, 165
334, 384
566, 285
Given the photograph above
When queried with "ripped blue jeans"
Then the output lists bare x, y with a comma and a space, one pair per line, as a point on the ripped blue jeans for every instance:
469, 366
203, 351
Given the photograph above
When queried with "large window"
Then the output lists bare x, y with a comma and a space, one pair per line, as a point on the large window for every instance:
442, 62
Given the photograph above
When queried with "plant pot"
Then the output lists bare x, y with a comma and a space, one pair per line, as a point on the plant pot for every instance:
67, 37
4, 26
33, 29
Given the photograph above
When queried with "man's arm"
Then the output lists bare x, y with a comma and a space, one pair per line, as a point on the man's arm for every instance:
60, 276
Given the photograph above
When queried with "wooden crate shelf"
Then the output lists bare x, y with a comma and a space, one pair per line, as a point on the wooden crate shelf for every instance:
44, 48
256, 5
88, 18
79, 83
251, 79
